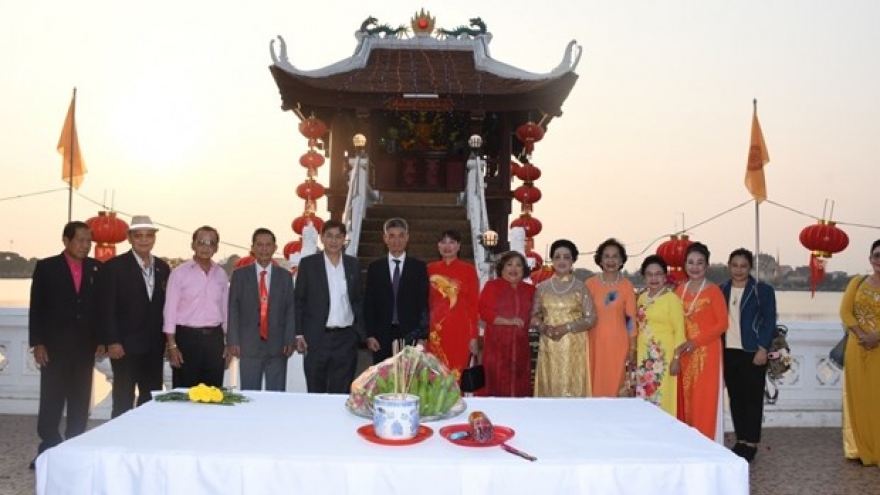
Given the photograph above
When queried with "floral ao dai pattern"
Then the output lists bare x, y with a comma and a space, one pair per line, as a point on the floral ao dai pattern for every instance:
661, 330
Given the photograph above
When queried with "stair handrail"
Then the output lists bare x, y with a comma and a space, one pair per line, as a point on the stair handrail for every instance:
477, 212
360, 195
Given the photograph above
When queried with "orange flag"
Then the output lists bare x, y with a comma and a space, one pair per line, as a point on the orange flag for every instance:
758, 157
68, 148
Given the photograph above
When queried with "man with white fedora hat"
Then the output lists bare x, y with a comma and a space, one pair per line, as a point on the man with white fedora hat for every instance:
132, 299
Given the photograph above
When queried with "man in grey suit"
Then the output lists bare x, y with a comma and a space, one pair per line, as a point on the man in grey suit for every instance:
260, 327
328, 313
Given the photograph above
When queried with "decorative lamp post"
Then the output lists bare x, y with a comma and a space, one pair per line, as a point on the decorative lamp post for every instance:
107, 231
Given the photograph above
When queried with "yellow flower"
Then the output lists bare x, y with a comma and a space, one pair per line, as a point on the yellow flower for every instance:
199, 393
216, 394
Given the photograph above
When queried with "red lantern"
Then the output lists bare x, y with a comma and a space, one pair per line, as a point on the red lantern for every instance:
527, 193
245, 261
530, 224
541, 274
291, 248
313, 128
528, 173
300, 222
534, 259
107, 231
673, 251
529, 134
311, 159
310, 190
824, 239
514, 170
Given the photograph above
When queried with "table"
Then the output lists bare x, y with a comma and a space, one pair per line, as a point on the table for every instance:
299, 443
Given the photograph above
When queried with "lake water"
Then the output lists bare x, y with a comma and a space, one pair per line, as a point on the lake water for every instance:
792, 306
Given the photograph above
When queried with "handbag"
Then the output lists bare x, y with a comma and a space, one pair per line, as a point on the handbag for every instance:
838, 352
473, 377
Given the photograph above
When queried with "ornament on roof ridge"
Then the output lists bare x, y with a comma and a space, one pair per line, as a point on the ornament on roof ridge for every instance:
422, 23
381, 29
461, 31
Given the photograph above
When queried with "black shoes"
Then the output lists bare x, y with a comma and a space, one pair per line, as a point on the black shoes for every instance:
747, 452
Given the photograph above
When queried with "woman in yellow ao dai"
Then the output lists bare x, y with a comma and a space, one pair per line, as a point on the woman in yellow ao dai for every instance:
660, 318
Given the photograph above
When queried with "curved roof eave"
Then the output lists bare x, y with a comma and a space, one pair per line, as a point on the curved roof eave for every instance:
479, 45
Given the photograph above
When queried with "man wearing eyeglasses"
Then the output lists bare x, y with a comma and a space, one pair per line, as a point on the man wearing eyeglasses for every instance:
195, 315
132, 299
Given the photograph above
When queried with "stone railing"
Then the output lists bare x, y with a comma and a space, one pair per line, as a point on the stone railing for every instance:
809, 394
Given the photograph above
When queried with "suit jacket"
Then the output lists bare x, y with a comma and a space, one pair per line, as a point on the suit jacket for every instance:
243, 321
128, 315
412, 300
313, 296
60, 318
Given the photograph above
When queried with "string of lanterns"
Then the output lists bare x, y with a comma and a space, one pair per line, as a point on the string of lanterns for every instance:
528, 194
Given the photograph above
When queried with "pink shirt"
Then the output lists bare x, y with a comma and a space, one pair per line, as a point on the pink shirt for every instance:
194, 298
76, 269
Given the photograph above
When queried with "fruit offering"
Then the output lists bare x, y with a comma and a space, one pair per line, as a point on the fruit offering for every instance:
411, 371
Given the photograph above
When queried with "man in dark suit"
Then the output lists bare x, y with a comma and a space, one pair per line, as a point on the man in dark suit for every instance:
328, 313
132, 298
65, 334
260, 324
396, 300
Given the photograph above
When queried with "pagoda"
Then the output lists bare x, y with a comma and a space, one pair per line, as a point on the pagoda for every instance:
418, 92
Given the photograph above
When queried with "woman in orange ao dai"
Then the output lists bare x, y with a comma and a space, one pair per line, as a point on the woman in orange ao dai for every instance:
705, 311
615, 302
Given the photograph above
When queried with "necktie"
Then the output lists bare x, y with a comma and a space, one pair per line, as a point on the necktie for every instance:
395, 285
264, 307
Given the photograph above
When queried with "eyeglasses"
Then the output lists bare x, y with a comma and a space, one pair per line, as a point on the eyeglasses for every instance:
562, 257
206, 243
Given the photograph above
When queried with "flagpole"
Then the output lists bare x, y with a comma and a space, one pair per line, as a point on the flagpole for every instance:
757, 217
72, 158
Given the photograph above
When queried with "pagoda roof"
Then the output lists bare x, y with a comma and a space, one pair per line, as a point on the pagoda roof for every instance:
458, 72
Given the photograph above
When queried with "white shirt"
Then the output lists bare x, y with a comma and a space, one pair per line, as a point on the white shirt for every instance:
149, 273
733, 337
268, 276
340, 315
392, 264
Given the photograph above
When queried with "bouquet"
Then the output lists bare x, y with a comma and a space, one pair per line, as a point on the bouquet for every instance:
204, 394
411, 371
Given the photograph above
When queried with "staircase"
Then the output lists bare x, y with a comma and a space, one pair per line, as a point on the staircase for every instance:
427, 213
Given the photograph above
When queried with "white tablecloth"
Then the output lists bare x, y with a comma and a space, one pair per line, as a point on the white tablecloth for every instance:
298, 443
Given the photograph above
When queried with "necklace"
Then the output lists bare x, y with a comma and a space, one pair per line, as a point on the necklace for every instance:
649, 299
560, 292
690, 310
602, 279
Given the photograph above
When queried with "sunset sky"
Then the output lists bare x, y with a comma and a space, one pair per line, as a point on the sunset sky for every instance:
179, 117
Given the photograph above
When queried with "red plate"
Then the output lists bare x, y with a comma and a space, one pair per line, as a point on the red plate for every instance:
501, 434
369, 434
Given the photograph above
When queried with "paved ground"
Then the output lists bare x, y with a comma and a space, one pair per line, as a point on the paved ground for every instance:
791, 461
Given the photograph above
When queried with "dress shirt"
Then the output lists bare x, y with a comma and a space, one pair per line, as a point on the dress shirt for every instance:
149, 273
340, 315
194, 298
76, 270
391, 264
268, 275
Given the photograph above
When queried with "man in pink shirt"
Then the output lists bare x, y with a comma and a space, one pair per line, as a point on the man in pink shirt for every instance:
64, 334
195, 315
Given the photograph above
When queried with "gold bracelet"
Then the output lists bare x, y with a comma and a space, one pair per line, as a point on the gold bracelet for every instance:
170, 347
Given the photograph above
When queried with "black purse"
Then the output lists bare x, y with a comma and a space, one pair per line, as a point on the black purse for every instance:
838, 352
473, 377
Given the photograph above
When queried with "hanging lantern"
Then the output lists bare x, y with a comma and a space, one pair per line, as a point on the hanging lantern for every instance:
530, 224
311, 159
528, 173
107, 231
310, 189
313, 128
514, 170
534, 259
529, 134
292, 247
541, 274
244, 261
674, 249
527, 193
824, 239
300, 222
